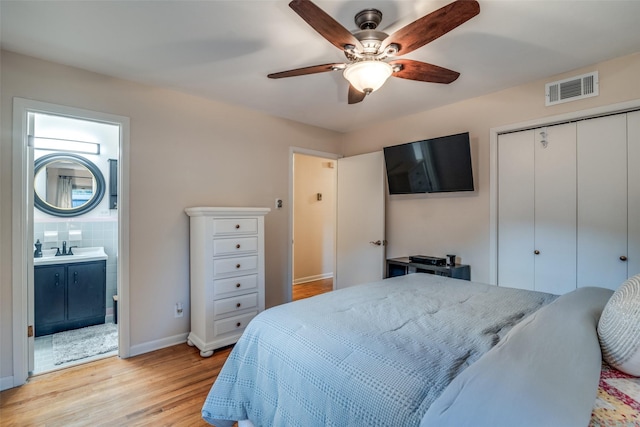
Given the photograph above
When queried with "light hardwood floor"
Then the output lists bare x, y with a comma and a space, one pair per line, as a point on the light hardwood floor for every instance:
161, 388
306, 290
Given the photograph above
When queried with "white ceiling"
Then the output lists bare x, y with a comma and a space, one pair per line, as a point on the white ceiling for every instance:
224, 50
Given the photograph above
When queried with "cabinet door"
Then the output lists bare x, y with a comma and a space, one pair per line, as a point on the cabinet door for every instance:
602, 201
633, 142
86, 290
49, 283
516, 210
555, 209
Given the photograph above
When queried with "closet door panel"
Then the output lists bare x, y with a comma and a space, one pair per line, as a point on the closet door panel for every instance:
633, 141
602, 201
515, 207
555, 209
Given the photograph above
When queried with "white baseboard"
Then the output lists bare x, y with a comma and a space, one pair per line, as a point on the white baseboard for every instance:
312, 278
158, 344
6, 383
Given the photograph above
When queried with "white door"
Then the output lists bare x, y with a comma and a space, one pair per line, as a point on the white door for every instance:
516, 210
555, 209
360, 252
537, 209
602, 201
633, 141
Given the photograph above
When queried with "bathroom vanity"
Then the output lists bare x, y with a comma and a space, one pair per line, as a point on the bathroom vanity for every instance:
70, 291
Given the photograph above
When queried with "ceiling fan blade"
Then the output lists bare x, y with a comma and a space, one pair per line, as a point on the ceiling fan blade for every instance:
324, 24
431, 26
423, 72
355, 95
314, 69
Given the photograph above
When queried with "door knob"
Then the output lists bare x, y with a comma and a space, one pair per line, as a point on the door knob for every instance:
623, 258
377, 243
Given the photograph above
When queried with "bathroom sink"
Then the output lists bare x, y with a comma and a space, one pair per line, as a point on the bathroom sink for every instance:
79, 255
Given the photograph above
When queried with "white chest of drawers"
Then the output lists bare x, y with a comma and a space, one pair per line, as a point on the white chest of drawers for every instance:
227, 273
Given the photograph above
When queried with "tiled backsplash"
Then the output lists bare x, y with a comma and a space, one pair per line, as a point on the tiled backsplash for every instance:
93, 233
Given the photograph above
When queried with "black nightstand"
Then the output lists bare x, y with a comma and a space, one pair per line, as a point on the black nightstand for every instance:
402, 266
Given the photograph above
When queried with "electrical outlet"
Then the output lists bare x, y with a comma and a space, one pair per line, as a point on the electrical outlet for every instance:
179, 311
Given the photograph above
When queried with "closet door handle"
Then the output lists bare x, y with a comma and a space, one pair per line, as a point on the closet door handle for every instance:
623, 258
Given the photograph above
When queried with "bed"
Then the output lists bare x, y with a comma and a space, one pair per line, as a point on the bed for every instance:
416, 350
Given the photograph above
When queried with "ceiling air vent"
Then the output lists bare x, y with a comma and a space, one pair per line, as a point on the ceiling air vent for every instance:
572, 89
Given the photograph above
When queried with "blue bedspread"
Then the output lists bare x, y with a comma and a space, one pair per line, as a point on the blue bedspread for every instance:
372, 355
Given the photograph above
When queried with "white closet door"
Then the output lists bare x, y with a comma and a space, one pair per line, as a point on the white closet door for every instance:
602, 201
555, 209
516, 210
633, 141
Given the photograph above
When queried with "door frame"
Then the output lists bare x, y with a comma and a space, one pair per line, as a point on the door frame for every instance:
315, 153
493, 162
22, 226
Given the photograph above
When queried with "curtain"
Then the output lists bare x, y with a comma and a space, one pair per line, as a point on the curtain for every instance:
64, 192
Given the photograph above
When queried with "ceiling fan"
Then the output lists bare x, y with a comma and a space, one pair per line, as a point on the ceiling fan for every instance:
371, 53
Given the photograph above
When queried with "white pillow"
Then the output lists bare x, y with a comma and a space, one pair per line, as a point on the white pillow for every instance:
619, 328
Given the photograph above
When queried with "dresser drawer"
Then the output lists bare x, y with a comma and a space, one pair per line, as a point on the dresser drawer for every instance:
235, 245
235, 226
235, 284
239, 303
234, 265
233, 324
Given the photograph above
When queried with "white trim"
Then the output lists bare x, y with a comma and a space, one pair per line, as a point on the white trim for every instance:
493, 163
308, 152
147, 347
22, 225
313, 278
6, 383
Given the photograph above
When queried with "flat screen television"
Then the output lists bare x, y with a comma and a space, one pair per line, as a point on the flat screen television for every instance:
435, 165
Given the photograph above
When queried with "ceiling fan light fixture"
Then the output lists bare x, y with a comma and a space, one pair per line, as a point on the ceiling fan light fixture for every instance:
367, 76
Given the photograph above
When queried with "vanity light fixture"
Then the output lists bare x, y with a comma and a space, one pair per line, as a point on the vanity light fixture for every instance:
55, 144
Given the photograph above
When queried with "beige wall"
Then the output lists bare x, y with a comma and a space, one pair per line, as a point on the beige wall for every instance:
184, 151
314, 220
458, 223
216, 158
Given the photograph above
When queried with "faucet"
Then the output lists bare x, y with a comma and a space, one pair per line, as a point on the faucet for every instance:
64, 247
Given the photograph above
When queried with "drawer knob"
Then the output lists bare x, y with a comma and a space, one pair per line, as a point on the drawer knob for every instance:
238, 324
238, 305
237, 265
238, 285
237, 226
623, 258
238, 246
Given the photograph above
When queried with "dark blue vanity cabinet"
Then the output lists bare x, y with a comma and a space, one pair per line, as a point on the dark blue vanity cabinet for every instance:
69, 296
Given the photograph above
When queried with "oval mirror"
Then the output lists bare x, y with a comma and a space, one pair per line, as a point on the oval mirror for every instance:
67, 184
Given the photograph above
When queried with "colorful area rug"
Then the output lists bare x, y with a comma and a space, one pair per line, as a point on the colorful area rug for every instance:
84, 342
618, 401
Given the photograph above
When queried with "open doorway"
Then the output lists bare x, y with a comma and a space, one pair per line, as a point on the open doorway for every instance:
314, 224
91, 138
75, 234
